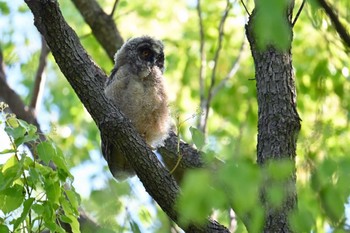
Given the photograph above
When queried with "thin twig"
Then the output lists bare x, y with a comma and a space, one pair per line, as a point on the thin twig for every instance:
216, 58
245, 7
298, 13
39, 77
339, 27
114, 7
202, 62
233, 71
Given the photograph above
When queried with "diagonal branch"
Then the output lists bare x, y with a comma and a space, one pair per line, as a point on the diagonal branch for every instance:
102, 25
202, 62
39, 78
339, 27
213, 74
87, 78
233, 71
114, 7
298, 13
245, 8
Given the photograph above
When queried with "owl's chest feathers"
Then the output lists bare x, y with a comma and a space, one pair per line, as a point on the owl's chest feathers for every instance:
144, 101
146, 94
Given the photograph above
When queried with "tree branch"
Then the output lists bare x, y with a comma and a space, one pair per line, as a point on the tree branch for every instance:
245, 8
298, 13
101, 24
202, 64
114, 7
339, 27
87, 80
191, 159
39, 79
233, 71
213, 74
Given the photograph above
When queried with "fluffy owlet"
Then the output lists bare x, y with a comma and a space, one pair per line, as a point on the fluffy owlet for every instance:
136, 86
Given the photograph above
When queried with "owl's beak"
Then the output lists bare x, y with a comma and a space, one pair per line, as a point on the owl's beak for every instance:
160, 62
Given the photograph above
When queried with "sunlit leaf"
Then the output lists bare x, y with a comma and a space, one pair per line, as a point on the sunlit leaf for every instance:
4, 229
197, 137
53, 190
27, 204
46, 151
302, 221
11, 198
271, 26
134, 227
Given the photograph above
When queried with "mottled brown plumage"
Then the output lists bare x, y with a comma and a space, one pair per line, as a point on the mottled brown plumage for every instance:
136, 86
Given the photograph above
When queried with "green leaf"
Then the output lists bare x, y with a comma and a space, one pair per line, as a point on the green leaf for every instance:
280, 170
38, 208
12, 122
333, 204
26, 208
270, 24
4, 229
31, 131
145, 215
17, 133
275, 194
11, 198
53, 190
302, 221
74, 199
65, 219
46, 151
60, 161
49, 215
197, 137
196, 201
4, 9
8, 151
11, 162
11, 171
134, 227
73, 222
20, 131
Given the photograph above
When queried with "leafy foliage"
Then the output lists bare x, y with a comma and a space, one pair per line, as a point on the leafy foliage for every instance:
36, 189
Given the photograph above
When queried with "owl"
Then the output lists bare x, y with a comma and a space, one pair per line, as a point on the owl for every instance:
136, 86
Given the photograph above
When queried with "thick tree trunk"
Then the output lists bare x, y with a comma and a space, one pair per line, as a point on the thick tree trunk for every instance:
278, 124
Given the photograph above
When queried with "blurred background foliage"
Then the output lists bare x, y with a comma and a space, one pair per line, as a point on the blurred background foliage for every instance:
321, 64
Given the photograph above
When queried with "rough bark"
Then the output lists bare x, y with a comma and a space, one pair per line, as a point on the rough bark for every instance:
87, 80
102, 25
278, 122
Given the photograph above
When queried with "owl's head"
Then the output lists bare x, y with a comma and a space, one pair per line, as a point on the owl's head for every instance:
142, 54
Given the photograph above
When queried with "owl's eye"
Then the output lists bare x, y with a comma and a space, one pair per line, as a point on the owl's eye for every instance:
146, 53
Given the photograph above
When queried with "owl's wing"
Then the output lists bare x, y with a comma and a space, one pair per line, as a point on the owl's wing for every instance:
117, 163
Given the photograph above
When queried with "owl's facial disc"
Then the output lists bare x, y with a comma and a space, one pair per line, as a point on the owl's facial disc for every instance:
153, 56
